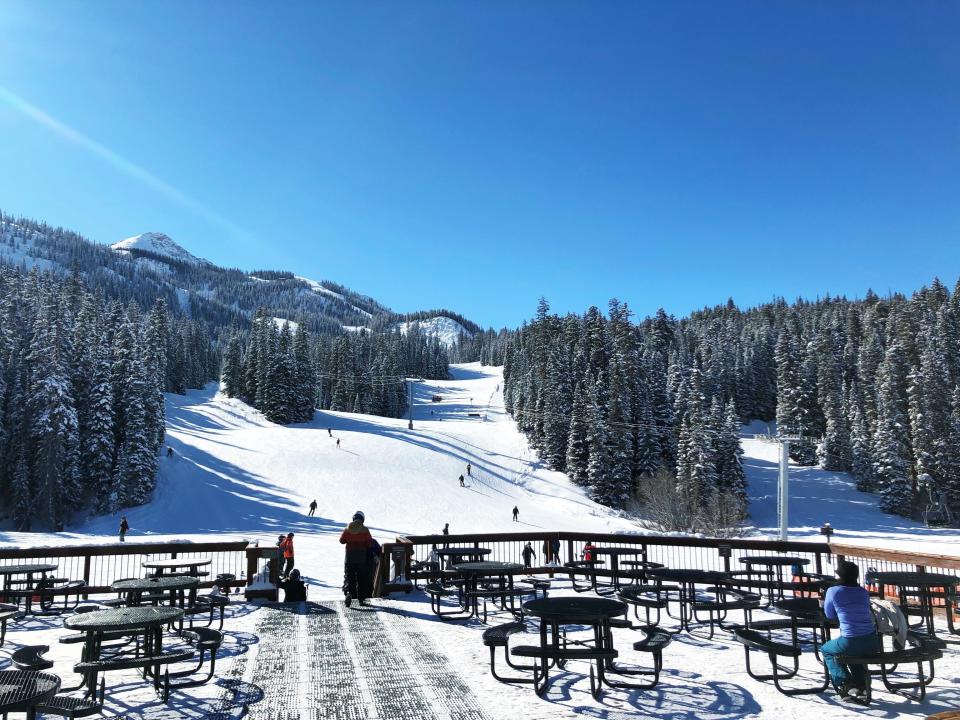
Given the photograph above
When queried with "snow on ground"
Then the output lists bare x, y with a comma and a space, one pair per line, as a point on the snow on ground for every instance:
280, 322
818, 496
235, 473
446, 330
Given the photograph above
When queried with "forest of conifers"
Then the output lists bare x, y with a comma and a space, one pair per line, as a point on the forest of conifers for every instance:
871, 384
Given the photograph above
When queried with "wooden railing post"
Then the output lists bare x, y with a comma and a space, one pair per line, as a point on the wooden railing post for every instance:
86, 573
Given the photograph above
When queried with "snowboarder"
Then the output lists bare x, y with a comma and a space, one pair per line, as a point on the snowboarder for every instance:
169, 451
849, 603
461, 481
329, 432
357, 539
313, 509
528, 555
124, 526
338, 443
294, 589
516, 513
287, 548
469, 468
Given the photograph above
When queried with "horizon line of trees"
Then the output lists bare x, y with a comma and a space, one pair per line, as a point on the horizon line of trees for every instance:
287, 373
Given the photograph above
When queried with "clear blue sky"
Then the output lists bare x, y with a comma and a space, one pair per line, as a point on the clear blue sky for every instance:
477, 155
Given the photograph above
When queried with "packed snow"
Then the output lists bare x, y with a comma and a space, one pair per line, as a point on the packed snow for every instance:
446, 330
158, 244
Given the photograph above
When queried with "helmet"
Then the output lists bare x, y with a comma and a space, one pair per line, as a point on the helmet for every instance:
294, 574
358, 515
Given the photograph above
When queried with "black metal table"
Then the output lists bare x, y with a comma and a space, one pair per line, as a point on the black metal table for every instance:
615, 554
926, 588
556, 612
772, 572
22, 691
147, 620
688, 579
806, 612
474, 571
174, 564
7, 572
452, 555
175, 585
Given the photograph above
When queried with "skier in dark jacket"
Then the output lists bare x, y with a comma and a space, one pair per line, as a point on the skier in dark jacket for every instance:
528, 555
124, 526
313, 509
355, 568
461, 481
516, 513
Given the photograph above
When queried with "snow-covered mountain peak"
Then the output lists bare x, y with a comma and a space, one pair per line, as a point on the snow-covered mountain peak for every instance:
446, 330
158, 244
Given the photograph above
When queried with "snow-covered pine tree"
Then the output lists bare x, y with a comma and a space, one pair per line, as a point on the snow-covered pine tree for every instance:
578, 445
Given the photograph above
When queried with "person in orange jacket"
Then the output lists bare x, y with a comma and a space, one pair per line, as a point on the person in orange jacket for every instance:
287, 549
356, 576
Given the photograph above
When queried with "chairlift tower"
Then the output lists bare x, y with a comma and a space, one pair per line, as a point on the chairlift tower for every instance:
783, 483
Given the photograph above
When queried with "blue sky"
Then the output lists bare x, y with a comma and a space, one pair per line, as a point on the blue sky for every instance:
478, 155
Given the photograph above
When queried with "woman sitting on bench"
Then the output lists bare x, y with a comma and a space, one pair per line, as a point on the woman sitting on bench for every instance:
849, 603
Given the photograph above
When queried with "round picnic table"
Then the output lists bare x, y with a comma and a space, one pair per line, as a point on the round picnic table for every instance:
175, 585
806, 612
595, 612
772, 572
22, 691
146, 619
175, 564
452, 554
688, 579
926, 588
615, 554
29, 569
474, 571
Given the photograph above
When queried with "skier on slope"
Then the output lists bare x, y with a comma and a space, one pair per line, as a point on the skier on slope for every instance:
124, 526
313, 509
461, 481
516, 513
469, 469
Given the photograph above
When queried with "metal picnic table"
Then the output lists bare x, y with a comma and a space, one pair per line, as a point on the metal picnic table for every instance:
7, 572
23, 690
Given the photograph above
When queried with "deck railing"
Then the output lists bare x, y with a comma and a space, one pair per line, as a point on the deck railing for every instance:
100, 565
676, 551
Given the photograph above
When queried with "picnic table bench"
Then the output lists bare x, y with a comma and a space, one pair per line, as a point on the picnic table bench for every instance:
499, 636
921, 649
7, 612
755, 640
30, 657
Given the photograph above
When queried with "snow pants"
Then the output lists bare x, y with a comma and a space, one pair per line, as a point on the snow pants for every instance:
857, 674
356, 580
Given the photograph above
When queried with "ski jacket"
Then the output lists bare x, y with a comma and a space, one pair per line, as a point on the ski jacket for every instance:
286, 547
124, 527
890, 621
293, 590
357, 539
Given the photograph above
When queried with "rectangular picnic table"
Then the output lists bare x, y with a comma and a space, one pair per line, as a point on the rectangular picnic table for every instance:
29, 588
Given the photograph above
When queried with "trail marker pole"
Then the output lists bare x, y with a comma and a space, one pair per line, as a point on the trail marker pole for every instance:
410, 408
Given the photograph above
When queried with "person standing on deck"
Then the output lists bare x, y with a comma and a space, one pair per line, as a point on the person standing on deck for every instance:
355, 569
528, 555
287, 548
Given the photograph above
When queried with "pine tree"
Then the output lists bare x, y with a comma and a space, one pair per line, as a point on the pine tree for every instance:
231, 378
578, 445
